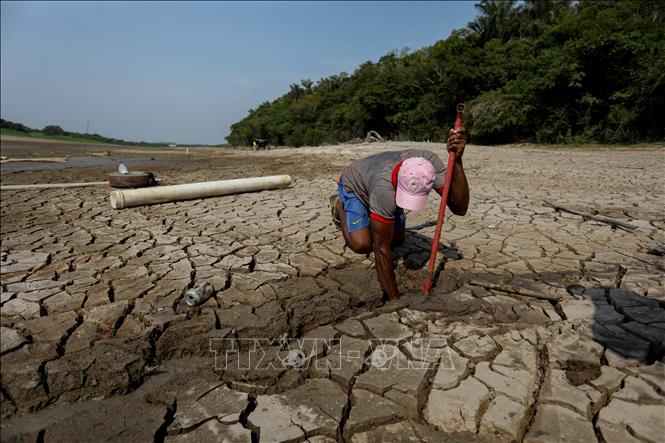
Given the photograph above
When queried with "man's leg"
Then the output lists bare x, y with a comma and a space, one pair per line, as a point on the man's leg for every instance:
400, 229
355, 222
398, 238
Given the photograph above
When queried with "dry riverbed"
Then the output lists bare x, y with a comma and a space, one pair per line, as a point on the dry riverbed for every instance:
298, 343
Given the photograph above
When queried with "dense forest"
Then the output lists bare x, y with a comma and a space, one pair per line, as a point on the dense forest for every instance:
541, 71
55, 131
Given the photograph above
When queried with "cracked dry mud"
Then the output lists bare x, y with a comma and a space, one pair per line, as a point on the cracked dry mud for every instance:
97, 343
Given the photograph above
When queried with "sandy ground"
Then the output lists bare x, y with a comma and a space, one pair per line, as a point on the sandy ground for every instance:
298, 343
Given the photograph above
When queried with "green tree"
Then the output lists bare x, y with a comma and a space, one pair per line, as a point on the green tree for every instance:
547, 71
53, 130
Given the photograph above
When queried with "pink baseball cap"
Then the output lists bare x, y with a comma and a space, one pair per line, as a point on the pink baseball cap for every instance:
414, 182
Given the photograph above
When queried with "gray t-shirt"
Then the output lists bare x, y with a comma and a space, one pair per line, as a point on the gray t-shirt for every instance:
370, 178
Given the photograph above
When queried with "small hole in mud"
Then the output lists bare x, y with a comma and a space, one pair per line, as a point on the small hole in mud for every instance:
575, 289
579, 372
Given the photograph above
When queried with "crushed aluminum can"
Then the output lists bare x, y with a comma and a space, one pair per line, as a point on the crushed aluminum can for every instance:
294, 359
198, 296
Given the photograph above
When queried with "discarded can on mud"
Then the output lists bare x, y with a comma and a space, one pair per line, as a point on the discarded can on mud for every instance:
198, 296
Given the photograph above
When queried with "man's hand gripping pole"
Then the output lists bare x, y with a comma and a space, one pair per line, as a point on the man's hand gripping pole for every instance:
442, 208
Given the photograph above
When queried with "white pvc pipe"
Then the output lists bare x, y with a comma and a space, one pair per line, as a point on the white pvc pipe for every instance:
51, 185
162, 194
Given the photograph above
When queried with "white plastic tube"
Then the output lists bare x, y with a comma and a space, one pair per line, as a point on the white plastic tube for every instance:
162, 194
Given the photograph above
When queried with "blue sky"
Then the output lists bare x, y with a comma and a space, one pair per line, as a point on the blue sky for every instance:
184, 72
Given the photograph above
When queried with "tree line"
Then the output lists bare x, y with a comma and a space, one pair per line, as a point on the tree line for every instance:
55, 130
540, 71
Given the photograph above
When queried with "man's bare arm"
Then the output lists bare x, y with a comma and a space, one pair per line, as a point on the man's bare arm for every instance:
458, 200
382, 235
458, 197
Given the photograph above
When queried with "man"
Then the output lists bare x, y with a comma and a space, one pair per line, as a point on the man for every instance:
375, 191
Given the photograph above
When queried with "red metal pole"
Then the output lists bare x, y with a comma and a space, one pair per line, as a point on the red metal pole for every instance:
442, 208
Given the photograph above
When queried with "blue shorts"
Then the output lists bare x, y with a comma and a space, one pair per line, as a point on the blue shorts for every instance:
357, 214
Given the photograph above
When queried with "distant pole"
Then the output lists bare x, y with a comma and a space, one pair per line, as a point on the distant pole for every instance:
87, 127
